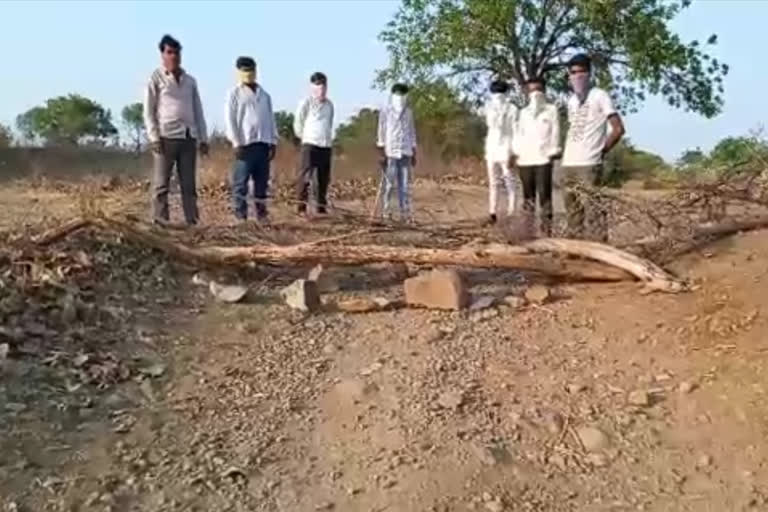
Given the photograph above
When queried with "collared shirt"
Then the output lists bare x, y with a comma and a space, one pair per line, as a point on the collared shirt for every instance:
313, 122
588, 128
249, 116
396, 132
500, 118
172, 109
537, 135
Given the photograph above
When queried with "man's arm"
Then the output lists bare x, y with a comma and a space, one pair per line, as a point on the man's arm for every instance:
202, 129
275, 136
412, 131
150, 113
300, 117
617, 132
381, 133
554, 139
230, 120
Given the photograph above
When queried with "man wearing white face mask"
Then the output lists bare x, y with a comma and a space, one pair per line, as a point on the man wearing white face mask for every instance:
500, 117
396, 139
536, 145
590, 113
313, 124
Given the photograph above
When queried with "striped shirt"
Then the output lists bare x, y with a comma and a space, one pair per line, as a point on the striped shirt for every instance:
396, 133
313, 122
172, 109
249, 116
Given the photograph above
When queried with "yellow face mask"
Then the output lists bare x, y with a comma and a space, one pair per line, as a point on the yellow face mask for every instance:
246, 77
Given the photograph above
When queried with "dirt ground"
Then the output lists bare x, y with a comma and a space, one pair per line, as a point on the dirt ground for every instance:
603, 400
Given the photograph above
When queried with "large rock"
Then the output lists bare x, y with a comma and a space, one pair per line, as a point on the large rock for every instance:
326, 282
302, 295
439, 289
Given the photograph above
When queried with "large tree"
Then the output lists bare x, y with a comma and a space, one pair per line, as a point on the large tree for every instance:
635, 52
6, 136
284, 121
71, 119
133, 119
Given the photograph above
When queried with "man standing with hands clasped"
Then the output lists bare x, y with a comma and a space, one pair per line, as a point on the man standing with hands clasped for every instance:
251, 128
536, 145
500, 118
313, 124
590, 113
396, 140
173, 115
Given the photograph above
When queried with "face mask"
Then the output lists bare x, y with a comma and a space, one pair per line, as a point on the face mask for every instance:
580, 83
318, 91
246, 77
398, 102
537, 100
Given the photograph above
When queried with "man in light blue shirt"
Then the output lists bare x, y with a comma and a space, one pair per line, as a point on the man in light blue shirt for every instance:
396, 140
251, 128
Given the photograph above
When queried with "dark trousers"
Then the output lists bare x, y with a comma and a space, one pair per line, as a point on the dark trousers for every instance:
181, 153
537, 182
252, 164
313, 158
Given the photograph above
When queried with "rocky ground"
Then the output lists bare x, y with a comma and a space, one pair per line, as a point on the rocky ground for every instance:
131, 388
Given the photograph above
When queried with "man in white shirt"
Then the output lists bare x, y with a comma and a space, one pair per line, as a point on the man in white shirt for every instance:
500, 117
251, 128
173, 115
396, 139
313, 124
536, 145
590, 113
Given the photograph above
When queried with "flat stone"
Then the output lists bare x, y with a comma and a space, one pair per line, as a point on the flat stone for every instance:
439, 289
302, 295
482, 302
451, 400
639, 398
593, 439
687, 387
227, 293
514, 301
538, 294
358, 305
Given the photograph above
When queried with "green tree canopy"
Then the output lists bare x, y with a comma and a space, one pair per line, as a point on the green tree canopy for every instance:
627, 162
358, 132
691, 157
71, 119
736, 150
6, 136
634, 50
133, 119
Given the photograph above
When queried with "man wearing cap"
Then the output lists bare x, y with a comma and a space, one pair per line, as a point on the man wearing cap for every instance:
173, 115
251, 128
313, 124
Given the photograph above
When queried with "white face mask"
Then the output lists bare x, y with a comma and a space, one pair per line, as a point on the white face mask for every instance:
498, 97
398, 102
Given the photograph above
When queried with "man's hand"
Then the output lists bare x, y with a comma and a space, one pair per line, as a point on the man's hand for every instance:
204, 148
156, 147
382, 153
512, 161
238, 152
413, 160
272, 151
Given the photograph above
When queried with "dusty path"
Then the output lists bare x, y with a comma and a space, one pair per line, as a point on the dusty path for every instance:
261, 408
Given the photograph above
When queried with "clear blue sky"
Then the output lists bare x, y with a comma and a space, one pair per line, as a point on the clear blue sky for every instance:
106, 51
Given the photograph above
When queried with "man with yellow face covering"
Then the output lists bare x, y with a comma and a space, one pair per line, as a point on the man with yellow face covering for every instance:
251, 128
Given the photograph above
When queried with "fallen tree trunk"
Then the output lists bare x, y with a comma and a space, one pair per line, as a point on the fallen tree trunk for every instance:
545, 256
656, 278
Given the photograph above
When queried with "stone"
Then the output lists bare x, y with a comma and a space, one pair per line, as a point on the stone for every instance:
451, 400
538, 294
325, 281
227, 293
358, 305
302, 295
704, 462
495, 506
687, 387
575, 388
598, 460
439, 289
553, 421
514, 301
593, 439
482, 302
639, 398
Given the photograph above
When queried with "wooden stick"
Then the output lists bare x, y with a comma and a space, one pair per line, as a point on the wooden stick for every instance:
55, 234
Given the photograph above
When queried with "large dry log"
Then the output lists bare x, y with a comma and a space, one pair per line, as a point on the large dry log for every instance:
656, 278
495, 255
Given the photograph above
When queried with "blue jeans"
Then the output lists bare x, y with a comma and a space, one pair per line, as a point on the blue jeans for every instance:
252, 163
398, 173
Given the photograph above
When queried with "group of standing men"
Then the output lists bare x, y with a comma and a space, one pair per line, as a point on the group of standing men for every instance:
521, 144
